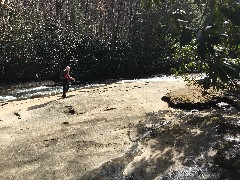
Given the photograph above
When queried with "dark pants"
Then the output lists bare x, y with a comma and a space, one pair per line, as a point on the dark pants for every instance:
65, 86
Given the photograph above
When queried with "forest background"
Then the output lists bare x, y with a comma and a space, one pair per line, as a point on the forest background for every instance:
109, 39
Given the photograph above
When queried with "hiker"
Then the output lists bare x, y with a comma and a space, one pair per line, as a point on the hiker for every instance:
66, 80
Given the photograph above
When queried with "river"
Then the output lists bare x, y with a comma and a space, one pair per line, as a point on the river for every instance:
46, 88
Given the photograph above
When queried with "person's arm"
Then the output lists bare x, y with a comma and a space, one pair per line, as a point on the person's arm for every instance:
73, 79
68, 77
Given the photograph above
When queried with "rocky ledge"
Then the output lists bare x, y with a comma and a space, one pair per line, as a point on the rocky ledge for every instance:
195, 98
224, 104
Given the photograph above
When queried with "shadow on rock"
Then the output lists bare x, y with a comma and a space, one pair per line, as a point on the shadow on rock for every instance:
178, 145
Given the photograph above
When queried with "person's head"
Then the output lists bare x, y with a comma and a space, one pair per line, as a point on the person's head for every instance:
68, 68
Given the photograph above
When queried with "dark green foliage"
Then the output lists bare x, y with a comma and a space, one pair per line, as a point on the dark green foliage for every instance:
186, 37
40, 40
232, 13
111, 39
217, 43
202, 49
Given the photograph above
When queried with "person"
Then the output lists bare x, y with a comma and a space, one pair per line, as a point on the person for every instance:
66, 80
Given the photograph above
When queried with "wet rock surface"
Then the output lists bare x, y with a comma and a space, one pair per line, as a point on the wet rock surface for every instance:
193, 172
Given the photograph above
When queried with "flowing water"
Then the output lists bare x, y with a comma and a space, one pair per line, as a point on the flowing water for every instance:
42, 89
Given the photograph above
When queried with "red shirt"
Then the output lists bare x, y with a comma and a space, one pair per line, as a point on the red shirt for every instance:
66, 75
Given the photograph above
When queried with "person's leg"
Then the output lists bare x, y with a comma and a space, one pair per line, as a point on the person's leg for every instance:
64, 88
67, 86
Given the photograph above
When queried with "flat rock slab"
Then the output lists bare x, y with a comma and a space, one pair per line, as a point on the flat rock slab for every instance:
192, 98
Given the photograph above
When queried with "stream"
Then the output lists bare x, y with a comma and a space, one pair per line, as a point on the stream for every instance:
46, 88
